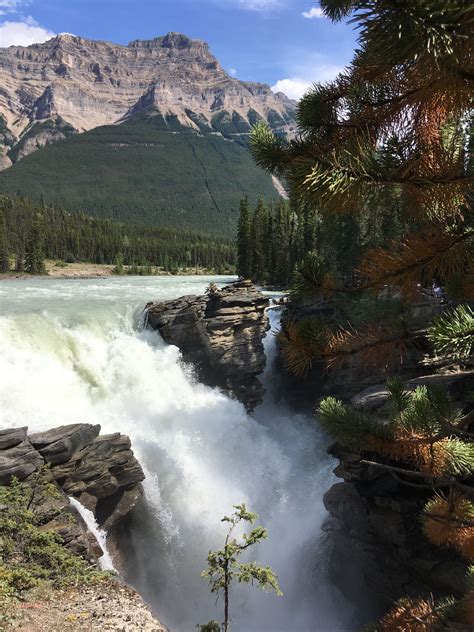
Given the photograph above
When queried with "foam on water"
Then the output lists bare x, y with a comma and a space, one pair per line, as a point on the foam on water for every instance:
72, 352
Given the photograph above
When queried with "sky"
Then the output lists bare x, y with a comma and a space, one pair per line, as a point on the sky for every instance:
288, 44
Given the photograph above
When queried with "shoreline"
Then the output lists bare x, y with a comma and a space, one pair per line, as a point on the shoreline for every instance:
87, 271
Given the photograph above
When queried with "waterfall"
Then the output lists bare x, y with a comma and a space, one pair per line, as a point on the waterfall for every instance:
105, 560
72, 352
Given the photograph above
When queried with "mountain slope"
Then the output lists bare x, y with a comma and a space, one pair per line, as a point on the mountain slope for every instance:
153, 132
149, 170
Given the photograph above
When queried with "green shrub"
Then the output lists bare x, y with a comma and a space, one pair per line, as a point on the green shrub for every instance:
30, 554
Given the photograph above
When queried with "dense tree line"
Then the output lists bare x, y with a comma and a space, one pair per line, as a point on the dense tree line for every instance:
273, 241
30, 233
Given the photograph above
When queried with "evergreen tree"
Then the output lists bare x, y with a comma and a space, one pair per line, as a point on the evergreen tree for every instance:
360, 152
20, 258
244, 255
34, 254
77, 237
394, 131
4, 254
224, 566
118, 269
258, 236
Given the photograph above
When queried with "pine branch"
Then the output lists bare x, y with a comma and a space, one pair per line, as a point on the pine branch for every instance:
452, 334
419, 257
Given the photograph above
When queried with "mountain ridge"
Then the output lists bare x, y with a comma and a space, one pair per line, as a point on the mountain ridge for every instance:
153, 132
89, 83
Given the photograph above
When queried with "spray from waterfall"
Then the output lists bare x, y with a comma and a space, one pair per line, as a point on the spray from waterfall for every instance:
73, 352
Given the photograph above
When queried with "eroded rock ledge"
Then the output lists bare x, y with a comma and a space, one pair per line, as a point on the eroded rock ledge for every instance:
101, 471
220, 333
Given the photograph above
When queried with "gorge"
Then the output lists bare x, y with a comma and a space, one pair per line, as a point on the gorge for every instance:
199, 450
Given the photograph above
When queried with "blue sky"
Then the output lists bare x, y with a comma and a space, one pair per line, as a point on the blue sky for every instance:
285, 43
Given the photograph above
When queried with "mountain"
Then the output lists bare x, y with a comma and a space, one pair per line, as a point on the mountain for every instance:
154, 131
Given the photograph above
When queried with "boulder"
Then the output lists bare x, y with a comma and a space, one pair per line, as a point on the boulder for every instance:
59, 444
12, 437
101, 471
221, 334
19, 462
457, 383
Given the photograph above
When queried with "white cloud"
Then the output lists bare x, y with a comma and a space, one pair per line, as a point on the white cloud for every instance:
302, 69
12, 6
260, 5
293, 88
232, 71
296, 86
23, 33
314, 13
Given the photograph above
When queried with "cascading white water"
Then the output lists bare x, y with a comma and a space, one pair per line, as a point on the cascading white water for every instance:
105, 560
71, 352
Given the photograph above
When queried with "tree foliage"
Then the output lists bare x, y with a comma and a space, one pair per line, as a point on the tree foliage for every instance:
396, 128
31, 554
149, 170
392, 131
224, 566
34, 232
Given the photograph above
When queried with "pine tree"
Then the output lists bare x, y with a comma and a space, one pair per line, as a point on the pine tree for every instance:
34, 254
258, 233
244, 255
358, 148
4, 254
224, 566
395, 129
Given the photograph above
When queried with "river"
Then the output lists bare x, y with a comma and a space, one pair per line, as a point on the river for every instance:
72, 351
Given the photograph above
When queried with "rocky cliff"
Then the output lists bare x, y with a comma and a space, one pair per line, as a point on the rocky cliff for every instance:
99, 470
70, 84
221, 333
374, 516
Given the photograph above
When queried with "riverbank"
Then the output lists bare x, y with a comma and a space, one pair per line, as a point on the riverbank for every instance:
62, 270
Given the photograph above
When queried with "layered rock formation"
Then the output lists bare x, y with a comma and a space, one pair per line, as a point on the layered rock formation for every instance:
221, 333
75, 84
375, 517
100, 471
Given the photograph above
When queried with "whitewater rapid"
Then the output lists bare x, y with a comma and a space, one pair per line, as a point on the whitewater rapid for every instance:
72, 351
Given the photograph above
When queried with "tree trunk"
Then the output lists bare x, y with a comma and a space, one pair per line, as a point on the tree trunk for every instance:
226, 599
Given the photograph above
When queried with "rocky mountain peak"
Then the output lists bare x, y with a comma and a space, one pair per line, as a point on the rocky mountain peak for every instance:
85, 84
170, 40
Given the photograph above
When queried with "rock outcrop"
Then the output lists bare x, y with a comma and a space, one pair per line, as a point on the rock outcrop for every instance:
71, 83
99, 470
375, 518
221, 334
374, 521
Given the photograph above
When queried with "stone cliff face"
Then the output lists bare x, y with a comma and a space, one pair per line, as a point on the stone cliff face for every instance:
374, 519
99, 470
78, 84
221, 333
